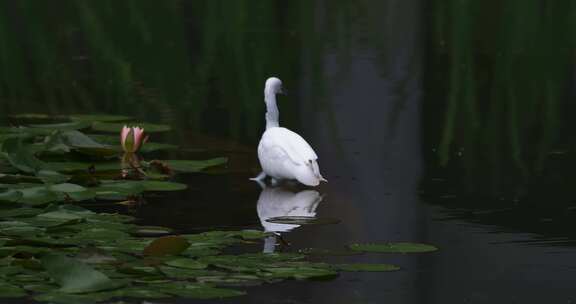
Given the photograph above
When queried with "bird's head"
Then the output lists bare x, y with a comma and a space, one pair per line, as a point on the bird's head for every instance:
273, 86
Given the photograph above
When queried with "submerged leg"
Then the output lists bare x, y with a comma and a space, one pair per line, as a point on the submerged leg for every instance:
260, 177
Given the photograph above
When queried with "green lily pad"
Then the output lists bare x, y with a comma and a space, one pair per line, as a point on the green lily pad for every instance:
76, 125
117, 127
303, 220
186, 263
328, 252
366, 267
195, 165
394, 248
167, 245
11, 196
20, 156
162, 186
11, 291
198, 291
64, 298
99, 117
76, 277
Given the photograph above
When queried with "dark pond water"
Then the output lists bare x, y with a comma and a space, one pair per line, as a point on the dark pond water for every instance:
444, 122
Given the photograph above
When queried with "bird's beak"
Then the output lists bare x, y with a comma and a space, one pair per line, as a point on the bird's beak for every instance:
283, 91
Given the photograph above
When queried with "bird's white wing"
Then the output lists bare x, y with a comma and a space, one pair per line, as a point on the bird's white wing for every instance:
291, 144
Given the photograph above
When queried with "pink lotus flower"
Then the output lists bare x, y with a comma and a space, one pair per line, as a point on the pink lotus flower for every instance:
132, 139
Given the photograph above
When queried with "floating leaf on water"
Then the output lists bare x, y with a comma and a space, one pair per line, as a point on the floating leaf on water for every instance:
117, 127
394, 247
231, 280
84, 144
76, 277
300, 273
186, 263
50, 177
11, 291
151, 231
303, 220
19, 212
11, 196
83, 166
329, 252
198, 291
20, 156
76, 125
167, 245
64, 298
366, 267
99, 117
192, 166
32, 116
162, 186
142, 292
252, 234
66, 188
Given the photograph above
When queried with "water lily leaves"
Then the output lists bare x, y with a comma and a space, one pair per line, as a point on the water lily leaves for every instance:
20, 156
301, 272
394, 248
11, 196
117, 127
192, 166
167, 245
49, 176
162, 186
76, 277
367, 267
64, 298
303, 220
198, 291
186, 263
11, 291
99, 117
75, 125
84, 144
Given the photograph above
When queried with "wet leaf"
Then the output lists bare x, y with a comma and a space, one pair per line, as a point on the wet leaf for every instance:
20, 156
64, 298
394, 247
195, 165
167, 245
328, 252
186, 263
11, 196
49, 176
117, 127
162, 186
198, 291
152, 230
300, 273
76, 125
99, 117
366, 267
76, 277
11, 291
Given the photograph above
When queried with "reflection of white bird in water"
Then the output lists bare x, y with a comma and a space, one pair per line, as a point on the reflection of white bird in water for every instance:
284, 154
278, 201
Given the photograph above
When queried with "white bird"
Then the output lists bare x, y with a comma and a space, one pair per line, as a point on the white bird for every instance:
284, 154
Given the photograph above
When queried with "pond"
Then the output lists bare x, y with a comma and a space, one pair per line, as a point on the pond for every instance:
442, 122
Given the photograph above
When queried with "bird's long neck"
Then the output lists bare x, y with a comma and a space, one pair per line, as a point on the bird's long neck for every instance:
272, 114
